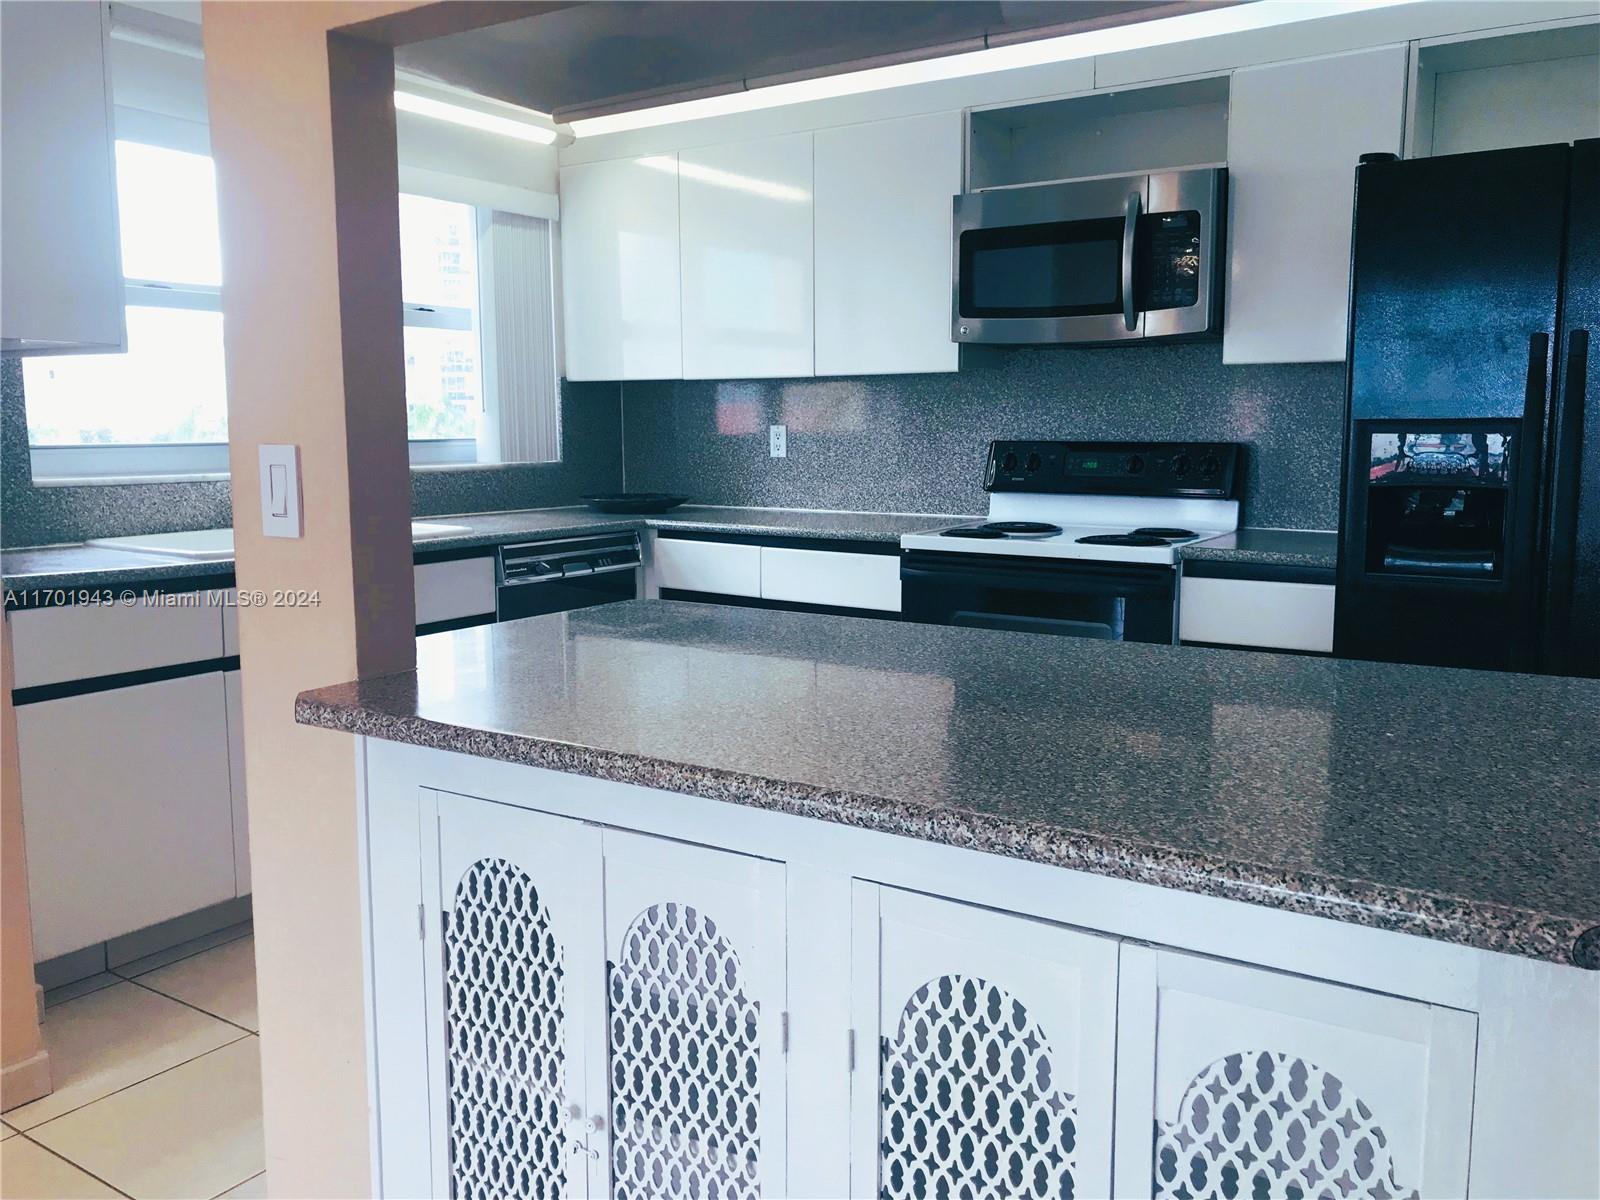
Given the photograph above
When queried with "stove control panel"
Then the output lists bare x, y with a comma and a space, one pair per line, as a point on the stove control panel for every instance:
1206, 470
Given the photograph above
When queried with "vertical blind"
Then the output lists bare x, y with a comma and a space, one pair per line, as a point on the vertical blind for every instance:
522, 417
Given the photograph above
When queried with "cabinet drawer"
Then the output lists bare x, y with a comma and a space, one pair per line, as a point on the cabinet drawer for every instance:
127, 810
449, 591
1254, 612
830, 577
84, 641
719, 567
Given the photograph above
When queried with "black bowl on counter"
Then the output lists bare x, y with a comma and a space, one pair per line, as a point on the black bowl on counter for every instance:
634, 502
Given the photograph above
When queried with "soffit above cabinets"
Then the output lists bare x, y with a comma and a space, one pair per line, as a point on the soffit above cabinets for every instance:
594, 58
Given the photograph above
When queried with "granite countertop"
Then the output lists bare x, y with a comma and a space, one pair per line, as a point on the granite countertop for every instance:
84, 566
1269, 548
1455, 805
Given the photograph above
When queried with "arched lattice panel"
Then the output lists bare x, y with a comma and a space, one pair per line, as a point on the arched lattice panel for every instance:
505, 1027
685, 1062
1266, 1126
971, 1103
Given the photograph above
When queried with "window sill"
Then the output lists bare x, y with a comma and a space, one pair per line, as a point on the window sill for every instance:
65, 481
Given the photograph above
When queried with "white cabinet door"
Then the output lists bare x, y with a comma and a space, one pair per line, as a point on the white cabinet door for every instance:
233, 701
883, 193
518, 1040
62, 272
745, 215
86, 641
697, 996
454, 589
1296, 131
843, 580
985, 1048
1256, 612
126, 809
1260, 1084
721, 568
619, 269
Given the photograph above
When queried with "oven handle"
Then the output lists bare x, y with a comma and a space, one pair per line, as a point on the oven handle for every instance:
1130, 229
1084, 577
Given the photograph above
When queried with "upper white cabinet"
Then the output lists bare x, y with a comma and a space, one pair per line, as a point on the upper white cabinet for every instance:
883, 193
619, 269
61, 282
1261, 1084
745, 215
1296, 132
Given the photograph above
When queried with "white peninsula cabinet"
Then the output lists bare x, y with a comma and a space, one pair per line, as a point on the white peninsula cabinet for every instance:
594, 988
619, 269
883, 203
1296, 131
745, 212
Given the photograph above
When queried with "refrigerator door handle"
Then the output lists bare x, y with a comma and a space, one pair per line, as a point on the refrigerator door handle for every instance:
1538, 378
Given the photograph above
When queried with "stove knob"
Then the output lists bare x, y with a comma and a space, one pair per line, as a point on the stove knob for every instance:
1009, 462
1034, 462
1180, 464
1135, 464
1209, 465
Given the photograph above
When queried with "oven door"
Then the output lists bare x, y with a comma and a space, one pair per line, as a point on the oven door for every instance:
1109, 601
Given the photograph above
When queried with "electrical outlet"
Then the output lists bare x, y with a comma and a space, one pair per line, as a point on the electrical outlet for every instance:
778, 440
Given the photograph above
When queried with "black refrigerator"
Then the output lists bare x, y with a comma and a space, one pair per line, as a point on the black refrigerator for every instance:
1470, 513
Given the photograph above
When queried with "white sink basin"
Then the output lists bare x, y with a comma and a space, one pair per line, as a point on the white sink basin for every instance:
198, 544
209, 544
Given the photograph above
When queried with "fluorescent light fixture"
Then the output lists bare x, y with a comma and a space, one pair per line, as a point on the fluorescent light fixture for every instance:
1162, 31
473, 119
788, 193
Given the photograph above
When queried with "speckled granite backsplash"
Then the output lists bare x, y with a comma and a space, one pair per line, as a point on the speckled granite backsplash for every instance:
915, 443
591, 439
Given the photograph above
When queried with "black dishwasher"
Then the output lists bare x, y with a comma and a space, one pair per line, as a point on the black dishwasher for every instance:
558, 575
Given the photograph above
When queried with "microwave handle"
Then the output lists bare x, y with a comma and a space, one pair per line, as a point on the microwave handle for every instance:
1130, 227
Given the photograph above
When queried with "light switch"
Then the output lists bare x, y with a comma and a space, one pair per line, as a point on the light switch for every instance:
280, 491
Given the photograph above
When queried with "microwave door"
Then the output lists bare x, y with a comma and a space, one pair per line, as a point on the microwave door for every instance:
1048, 264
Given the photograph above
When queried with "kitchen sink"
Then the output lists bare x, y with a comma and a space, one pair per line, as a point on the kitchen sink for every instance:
210, 544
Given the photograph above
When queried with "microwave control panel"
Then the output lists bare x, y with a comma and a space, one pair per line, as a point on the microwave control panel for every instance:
1169, 273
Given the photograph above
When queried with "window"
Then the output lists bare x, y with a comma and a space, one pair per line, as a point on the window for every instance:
161, 407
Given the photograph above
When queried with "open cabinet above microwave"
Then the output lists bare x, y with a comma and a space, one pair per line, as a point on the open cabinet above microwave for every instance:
1096, 260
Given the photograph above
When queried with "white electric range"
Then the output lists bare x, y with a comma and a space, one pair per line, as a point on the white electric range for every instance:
1082, 539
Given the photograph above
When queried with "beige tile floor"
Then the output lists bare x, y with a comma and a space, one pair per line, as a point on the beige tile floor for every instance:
158, 1084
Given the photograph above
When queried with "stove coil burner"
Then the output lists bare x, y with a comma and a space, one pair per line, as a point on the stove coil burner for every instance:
1020, 527
978, 532
1123, 539
1159, 532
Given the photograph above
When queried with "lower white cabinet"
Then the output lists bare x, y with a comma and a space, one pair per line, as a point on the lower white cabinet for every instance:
1255, 1083
127, 808
1269, 614
611, 1012
719, 568
985, 1052
233, 699
831, 577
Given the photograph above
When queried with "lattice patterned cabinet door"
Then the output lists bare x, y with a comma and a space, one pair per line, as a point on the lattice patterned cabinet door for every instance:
1268, 1085
519, 983
696, 993
996, 1050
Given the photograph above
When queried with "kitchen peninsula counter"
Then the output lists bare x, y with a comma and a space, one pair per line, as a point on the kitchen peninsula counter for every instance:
1454, 805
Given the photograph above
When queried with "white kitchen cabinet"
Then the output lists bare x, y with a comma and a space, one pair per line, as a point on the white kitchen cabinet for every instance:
985, 1051
126, 807
882, 226
1296, 132
611, 1011
1257, 1083
454, 589
720, 568
62, 273
831, 577
745, 215
86, 641
234, 702
1270, 614
620, 269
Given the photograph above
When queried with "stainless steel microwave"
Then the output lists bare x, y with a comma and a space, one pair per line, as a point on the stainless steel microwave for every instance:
1093, 260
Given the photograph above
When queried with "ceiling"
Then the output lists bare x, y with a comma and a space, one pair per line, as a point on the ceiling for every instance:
618, 55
